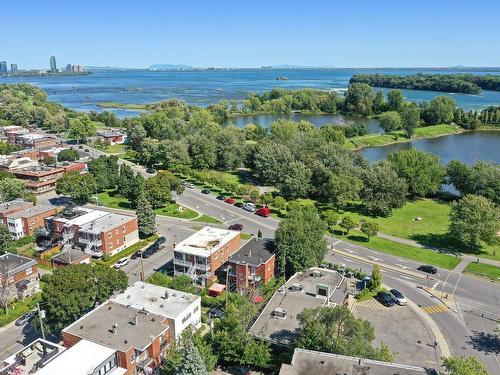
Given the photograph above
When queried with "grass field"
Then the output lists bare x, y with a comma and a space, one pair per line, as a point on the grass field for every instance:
404, 251
398, 136
115, 149
17, 309
484, 270
172, 210
121, 105
208, 219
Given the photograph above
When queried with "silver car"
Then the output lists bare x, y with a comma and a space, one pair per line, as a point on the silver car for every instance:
398, 297
250, 207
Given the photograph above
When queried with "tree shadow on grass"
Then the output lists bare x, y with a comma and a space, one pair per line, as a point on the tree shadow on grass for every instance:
442, 242
487, 343
358, 238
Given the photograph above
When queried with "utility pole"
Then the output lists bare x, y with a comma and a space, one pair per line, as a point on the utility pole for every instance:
40, 319
142, 267
227, 286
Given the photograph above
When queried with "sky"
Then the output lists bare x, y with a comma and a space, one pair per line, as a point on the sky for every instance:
220, 33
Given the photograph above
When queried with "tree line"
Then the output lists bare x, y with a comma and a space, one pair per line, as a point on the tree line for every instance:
456, 83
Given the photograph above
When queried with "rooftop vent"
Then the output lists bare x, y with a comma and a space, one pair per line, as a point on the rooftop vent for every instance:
296, 287
278, 312
166, 294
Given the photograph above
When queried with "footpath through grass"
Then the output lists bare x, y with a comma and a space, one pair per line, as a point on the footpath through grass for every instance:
484, 270
405, 251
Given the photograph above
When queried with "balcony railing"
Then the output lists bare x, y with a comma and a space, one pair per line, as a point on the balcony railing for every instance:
86, 241
203, 267
181, 262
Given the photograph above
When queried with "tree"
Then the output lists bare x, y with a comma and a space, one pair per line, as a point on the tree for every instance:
12, 188
464, 366
82, 128
348, 223
191, 362
439, 110
74, 290
369, 228
383, 190
299, 240
279, 203
410, 119
295, 181
267, 198
341, 188
331, 218
376, 279
145, 217
395, 100
68, 155
390, 121
203, 151
474, 220
173, 154
5, 238
379, 104
79, 187
422, 171
359, 99
254, 195
157, 190
336, 330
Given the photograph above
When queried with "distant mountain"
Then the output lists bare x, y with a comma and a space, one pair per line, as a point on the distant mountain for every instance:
170, 67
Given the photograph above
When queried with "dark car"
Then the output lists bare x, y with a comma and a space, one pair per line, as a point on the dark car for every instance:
25, 318
161, 240
428, 268
135, 255
385, 299
238, 227
215, 313
239, 204
205, 191
220, 197
151, 170
146, 254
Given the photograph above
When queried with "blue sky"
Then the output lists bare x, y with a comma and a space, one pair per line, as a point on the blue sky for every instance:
353, 33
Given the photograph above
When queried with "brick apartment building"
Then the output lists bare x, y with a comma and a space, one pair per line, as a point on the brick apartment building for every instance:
24, 222
11, 207
202, 254
18, 276
252, 265
137, 336
96, 232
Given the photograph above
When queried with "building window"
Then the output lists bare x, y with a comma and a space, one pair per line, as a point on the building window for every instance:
196, 309
124, 240
186, 318
29, 271
123, 229
109, 235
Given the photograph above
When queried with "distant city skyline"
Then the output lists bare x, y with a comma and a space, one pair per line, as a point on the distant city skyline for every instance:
389, 33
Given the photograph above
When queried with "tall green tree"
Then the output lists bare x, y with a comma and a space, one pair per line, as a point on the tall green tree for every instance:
376, 279
410, 119
5, 238
347, 223
145, 217
395, 100
370, 229
422, 171
359, 99
439, 110
12, 188
81, 128
191, 362
341, 188
74, 290
79, 187
299, 240
464, 366
336, 330
68, 155
474, 220
390, 121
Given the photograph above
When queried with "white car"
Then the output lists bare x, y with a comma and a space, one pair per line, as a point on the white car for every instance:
250, 207
121, 263
398, 297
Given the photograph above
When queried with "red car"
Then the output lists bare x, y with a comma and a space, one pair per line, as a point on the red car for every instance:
229, 200
264, 212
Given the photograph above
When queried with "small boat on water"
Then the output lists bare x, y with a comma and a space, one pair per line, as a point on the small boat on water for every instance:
281, 78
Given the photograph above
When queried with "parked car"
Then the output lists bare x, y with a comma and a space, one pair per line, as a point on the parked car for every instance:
250, 207
238, 227
220, 197
25, 318
428, 268
216, 313
239, 204
205, 191
161, 240
121, 263
147, 254
264, 212
229, 200
398, 297
151, 170
385, 298
135, 255
189, 185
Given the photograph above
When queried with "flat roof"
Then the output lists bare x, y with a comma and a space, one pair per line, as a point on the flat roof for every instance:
105, 223
81, 359
152, 298
255, 252
282, 331
206, 241
88, 215
31, 211
97, 326
17, 203
305, 362
13, 263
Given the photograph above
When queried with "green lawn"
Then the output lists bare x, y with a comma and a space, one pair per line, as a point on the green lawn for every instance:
122, 105
208, 219
404, 251
18, 308
115, 149
128, 251
484, 270
172, 210
398, 136
245, 236
110, 198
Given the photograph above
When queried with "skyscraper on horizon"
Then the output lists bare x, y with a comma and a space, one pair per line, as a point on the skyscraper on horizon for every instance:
13, 68
53, 65
3, 67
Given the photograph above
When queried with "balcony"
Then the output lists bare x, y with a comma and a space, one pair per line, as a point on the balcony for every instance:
203, 267
86, 241
179, 273
181, 262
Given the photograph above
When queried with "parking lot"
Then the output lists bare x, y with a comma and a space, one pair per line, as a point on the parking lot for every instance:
402, 330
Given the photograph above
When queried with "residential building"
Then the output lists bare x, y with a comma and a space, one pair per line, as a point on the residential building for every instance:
32, 357
70, 257
11, 207
10, 132
138, 336
18, 276
202, 254
13, 68
315, 287
35, 140
53, 65
10, 163
113, 136
306, 362
96, 232
3, 67
182, 310
252, 265
25, 222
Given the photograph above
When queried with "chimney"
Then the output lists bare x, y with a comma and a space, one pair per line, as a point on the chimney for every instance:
166, 294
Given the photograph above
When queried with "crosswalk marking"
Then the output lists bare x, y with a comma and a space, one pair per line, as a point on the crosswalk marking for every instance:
434, 309
371, 304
